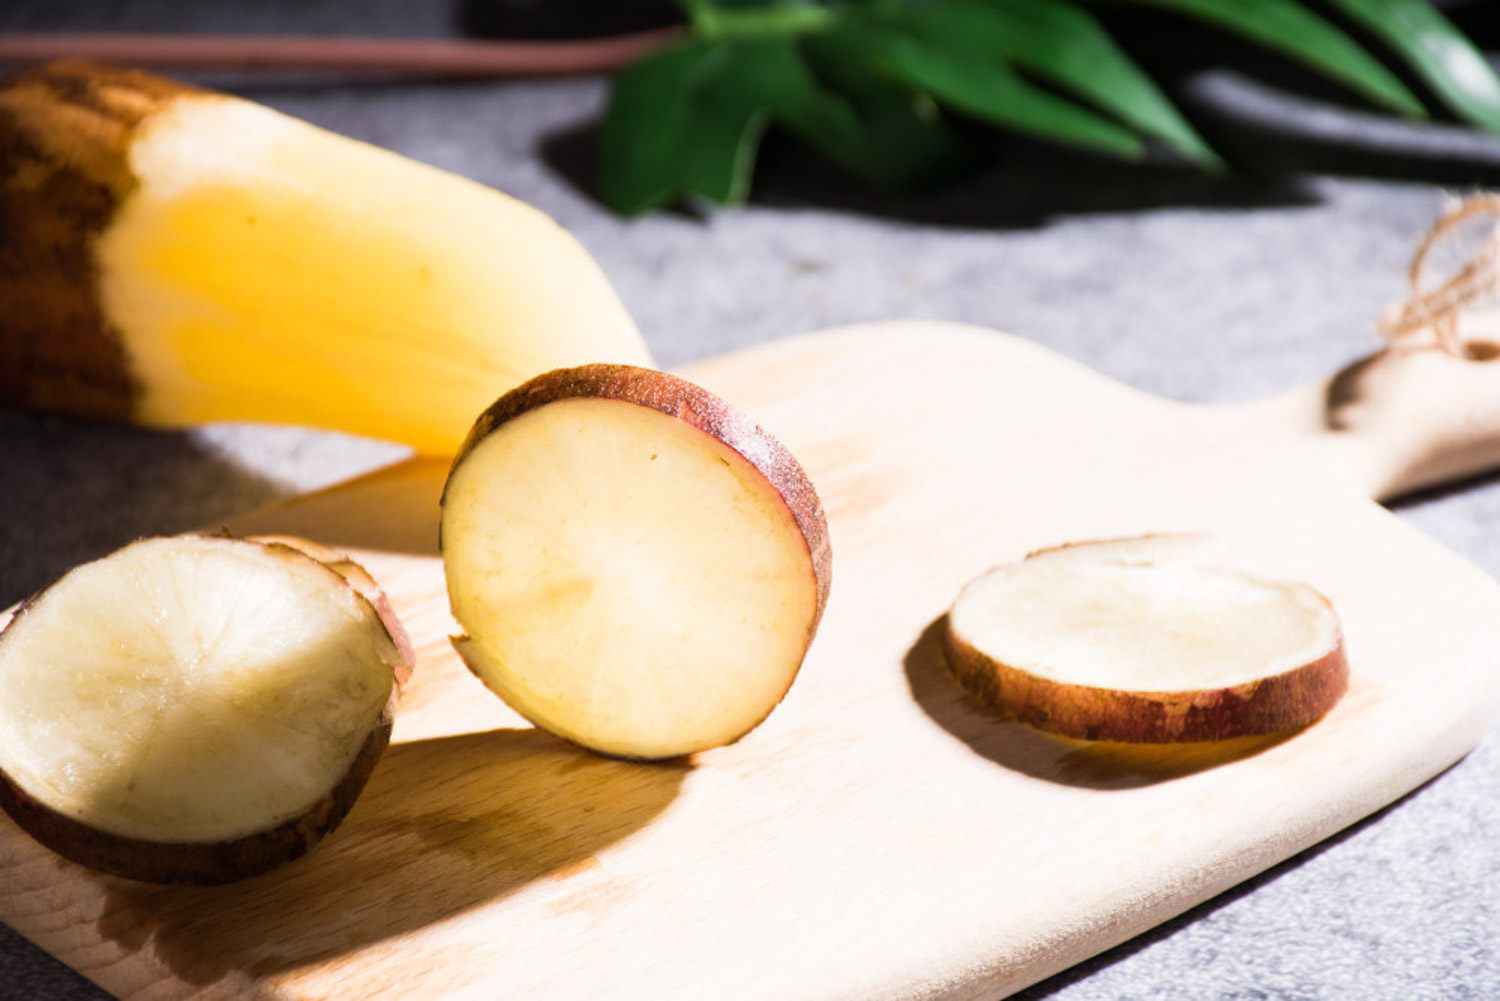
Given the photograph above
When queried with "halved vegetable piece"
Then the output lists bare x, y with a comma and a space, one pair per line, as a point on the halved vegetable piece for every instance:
1102, 642
193, 709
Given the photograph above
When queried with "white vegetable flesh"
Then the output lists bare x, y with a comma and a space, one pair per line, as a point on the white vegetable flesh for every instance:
625, 580
191, 689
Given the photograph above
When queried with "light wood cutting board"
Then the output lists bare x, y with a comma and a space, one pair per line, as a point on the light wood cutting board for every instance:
880, 836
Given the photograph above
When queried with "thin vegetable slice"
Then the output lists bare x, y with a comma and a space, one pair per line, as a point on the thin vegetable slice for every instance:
1130, 643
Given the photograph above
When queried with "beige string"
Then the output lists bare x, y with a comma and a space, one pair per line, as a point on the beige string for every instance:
1439, 307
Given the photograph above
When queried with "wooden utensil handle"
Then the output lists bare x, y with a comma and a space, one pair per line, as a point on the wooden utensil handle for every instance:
1404, 419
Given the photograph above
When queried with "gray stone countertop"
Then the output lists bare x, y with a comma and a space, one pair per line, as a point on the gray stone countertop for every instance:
1199, 290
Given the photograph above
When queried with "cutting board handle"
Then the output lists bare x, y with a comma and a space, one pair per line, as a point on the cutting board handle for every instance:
1407, 418
1425, 411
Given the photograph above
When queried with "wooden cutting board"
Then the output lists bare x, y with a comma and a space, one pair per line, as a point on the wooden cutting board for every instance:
880, 836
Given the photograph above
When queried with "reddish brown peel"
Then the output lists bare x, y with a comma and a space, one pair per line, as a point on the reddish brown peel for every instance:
1284, 702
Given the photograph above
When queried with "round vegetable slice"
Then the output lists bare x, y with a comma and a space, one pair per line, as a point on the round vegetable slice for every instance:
1104, 641
193, 709
638, 567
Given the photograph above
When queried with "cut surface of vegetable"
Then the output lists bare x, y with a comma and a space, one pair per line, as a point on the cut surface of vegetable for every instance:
192, 709
637, 567
1103, 642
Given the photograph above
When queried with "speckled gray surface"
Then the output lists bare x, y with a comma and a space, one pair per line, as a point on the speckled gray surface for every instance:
1191, 289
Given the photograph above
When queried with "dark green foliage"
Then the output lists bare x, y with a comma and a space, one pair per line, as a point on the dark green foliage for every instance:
875, 85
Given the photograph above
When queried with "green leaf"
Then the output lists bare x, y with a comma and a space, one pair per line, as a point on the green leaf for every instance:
739, 20
908, 142
697, 10
1284, 26
676, 125
774, 73
689, 120
719, 148
1438, 52
983, 87
643, 128
867, 82
1065, 46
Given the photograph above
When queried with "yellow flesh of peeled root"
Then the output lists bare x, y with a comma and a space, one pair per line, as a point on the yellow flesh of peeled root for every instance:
269, 270
600, 600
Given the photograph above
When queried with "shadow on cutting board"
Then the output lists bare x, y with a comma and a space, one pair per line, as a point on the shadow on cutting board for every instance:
446, 825
1089, 764
395, 509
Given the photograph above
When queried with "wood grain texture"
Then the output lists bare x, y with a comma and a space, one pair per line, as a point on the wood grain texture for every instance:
881, 835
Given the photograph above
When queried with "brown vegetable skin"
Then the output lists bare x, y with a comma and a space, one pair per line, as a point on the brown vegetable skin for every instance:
696, 407
193, 863
700, 409
1286, 701
212, 863
65, 134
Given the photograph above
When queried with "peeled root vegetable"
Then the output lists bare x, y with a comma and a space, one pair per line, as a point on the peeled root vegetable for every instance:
193, 709
173, 256
638, 567
1123, 640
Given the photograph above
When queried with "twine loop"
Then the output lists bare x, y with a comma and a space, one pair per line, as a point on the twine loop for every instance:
1436, 303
